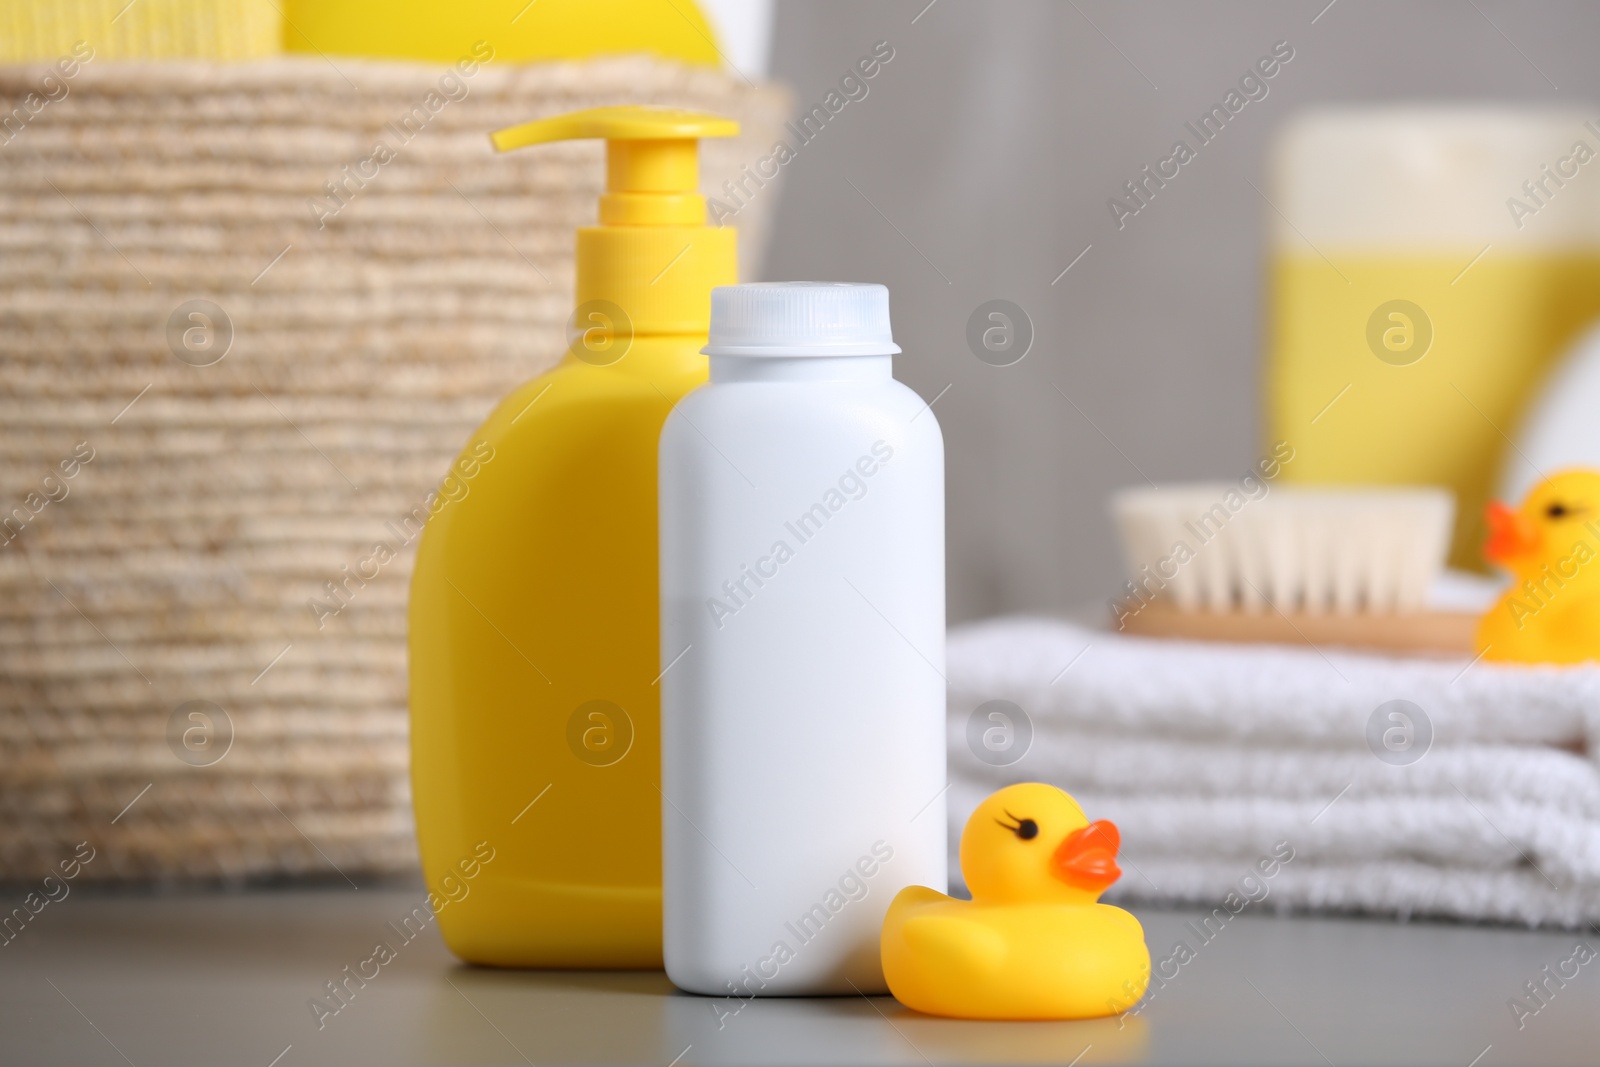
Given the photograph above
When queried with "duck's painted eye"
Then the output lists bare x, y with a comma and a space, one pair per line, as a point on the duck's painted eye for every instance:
1026, 829
1557, 511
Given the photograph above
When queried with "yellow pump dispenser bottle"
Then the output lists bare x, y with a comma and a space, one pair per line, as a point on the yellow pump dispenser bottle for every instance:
534, 656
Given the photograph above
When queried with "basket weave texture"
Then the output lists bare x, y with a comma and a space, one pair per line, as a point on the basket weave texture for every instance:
154, 603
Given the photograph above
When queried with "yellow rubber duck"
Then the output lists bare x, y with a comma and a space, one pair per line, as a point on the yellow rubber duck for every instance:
1551, 546
1033, 942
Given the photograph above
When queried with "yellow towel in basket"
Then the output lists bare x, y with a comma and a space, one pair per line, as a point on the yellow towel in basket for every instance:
35, 30
520, 30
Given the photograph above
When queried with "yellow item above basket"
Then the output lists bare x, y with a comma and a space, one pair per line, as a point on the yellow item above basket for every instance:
41, 30
429, 31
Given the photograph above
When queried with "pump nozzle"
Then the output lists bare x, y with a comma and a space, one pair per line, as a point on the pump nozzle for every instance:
652, 158
652, 258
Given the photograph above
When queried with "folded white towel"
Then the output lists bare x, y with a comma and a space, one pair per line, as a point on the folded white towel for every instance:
1205, 755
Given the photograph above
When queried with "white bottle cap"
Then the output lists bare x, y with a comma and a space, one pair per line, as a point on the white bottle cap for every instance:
800, 319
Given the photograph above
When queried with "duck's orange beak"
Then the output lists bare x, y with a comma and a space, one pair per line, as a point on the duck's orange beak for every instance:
1087, 859
1510, 534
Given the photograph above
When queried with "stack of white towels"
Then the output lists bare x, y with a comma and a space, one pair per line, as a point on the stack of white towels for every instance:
1477, 798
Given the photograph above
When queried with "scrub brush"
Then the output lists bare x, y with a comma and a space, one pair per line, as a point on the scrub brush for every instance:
1250, 562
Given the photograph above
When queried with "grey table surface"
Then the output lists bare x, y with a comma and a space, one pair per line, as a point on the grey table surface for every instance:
226, 978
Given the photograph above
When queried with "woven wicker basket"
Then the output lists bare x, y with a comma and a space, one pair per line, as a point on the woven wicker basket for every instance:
222, 495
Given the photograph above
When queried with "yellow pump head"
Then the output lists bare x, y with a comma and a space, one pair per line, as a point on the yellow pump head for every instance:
652, 158
652, 254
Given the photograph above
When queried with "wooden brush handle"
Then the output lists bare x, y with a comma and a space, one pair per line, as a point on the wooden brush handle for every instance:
1425, 632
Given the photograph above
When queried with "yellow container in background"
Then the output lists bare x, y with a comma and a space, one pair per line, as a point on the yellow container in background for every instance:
1427, 264
42, 30
519, 30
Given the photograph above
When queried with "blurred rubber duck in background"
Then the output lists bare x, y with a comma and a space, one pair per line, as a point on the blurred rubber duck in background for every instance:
1551, 546
1033, 942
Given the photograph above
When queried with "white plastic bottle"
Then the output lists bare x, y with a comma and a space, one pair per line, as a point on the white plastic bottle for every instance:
802, 638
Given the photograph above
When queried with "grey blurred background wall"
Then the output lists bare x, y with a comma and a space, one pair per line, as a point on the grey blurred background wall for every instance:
978, 166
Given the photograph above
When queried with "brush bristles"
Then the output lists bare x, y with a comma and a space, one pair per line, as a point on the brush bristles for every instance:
1214, 547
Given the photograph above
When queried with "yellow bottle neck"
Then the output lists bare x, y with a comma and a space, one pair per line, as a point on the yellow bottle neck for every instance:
658, 279
671, 362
